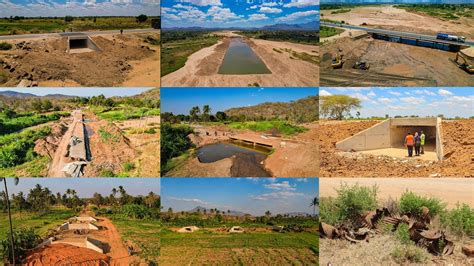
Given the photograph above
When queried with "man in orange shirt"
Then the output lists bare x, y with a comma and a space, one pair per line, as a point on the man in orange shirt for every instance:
409, 142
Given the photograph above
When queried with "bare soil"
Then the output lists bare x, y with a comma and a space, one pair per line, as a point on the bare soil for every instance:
64, 254
392, 18
458, 143
391, 64
201, 67
124, 60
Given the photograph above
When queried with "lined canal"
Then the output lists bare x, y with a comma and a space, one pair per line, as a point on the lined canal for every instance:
240, 59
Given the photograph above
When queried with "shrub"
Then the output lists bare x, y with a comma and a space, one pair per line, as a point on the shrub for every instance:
128, 166
354, 200
460, 220
329, 211
5, 46
409, 253
174, 141
135, 211
412, 203
403, 234
24, 239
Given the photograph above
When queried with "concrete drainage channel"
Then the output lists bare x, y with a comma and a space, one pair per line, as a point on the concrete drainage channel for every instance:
81, 44
387, 137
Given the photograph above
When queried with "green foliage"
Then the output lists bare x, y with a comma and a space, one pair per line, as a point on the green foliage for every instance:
281, 127
106, 135
409, 253
443, 11
344, 10
412, 203
351, 202
24, 240
5, 46
142, 18
295, 36
174, 141
128, 166
135, 211
326, 32
460, 220
402, 234
126, 113
338, 106
16, 148
23, 120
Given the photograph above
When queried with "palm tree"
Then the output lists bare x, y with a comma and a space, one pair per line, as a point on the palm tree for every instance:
194, 113
16, 180
314, 203
206, 110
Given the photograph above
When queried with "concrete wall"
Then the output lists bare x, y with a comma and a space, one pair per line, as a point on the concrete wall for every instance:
78, 226
391, 134
375, 137
91, 245
75, 42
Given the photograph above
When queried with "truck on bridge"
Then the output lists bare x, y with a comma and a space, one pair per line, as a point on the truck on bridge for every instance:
448, 37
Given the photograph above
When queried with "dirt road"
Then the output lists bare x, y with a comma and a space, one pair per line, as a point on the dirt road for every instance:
450, 190
390, 17
117, 251
201, 67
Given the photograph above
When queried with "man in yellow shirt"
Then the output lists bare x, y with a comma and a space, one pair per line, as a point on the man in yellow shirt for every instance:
422, 142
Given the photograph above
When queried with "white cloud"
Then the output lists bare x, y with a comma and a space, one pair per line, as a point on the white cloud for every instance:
444, 92
304, 180
371, 94
203, 2
198, 201
285, 185
273, 10
324, 93
413, 100
277, 195
361, 96
395, 93
254, 7
297, 15
427, 92
385, 100
302, 3
255, 17
221, 14
271, 3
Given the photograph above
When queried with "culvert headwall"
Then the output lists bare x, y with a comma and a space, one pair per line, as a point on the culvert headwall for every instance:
391, 134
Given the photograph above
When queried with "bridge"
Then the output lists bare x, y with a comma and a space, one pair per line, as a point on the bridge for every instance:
404, 37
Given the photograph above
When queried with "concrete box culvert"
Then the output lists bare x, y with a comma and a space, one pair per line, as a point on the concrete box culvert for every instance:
81, 44
391, 134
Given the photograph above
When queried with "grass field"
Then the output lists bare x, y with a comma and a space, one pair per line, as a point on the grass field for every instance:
40, 222
446, 11
37, 167
48, 25
144, 233
282, 127
126, 112
207, 247
27, 119
175, 52
329, 31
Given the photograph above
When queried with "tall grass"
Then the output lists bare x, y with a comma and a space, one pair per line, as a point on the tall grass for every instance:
281, 127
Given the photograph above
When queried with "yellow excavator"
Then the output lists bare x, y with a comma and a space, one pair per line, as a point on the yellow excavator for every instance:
465, 60
337, 61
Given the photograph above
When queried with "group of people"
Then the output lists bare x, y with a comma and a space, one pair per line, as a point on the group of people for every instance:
416, 141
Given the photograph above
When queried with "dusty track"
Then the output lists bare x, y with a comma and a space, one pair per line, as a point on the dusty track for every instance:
201, 67
391, 64
458, 146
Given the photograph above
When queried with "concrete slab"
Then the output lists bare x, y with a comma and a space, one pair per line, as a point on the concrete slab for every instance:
402, 153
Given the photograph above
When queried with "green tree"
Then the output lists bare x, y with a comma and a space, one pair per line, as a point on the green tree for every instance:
47, 105
314, 203
338, 106
206, 111
68, 18
142, 18
195, 113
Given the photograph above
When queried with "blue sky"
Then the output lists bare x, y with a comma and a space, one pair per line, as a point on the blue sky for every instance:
423, 101
85, 92
399, 1
61, 8
180, 100
237, 13
86, 187
248, 195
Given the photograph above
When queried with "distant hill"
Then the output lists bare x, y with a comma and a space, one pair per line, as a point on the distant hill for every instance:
153, 93
16, 94
296, 214
224, 212
300, 111
314, 25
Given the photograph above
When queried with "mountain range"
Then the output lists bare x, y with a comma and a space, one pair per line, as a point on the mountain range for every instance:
237, 213
313, 25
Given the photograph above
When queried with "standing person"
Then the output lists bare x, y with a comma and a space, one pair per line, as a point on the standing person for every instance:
417, 144
409, 142
121, 31
422, 137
